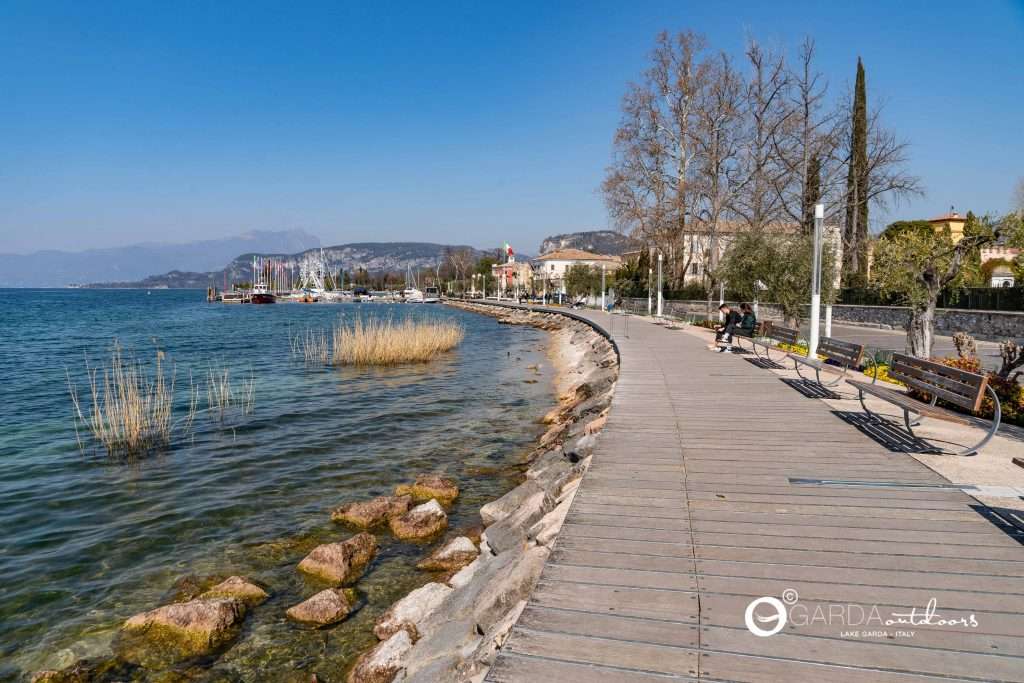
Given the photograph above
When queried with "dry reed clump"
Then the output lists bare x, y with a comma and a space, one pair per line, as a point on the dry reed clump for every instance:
130, 409
221, 394
313, 347
386, 342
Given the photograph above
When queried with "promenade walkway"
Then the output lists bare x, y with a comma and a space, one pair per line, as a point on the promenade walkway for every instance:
690, 511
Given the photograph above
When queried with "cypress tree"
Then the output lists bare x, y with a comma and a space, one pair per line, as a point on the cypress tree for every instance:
856, 229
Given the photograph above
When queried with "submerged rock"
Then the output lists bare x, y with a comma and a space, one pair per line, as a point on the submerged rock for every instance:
370, 513
410, 611
180, 631
87, 671
326, 607
341, 563
423, 521
240, 588
383, 662
429, 486
453, 555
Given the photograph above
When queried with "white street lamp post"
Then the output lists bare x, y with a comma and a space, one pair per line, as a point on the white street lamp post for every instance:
660, 297
812, 345
650, 276
602, 288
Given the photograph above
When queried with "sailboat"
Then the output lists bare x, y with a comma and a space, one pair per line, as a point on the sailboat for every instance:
261, 293
411, 294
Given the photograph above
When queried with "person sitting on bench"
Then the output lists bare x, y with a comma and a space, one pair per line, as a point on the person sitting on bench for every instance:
724, 332
748, 321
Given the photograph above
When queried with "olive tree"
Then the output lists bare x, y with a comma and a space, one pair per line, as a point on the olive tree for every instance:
915, 266
776, 266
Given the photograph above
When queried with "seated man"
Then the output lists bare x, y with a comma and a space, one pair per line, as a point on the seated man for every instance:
724, 332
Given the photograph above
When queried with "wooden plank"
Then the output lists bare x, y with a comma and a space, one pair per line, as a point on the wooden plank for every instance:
512, 667
605, 651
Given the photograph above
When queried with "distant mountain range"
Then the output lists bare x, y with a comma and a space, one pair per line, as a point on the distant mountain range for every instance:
374, 257
201, 264
135, 262
596, 241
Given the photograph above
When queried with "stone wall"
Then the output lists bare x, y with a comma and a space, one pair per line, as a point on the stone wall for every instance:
985, 325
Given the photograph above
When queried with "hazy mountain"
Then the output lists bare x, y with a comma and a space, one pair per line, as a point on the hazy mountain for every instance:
595, 241
374, 257
137, 261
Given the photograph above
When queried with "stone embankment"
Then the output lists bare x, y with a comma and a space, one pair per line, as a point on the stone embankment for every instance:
451, 630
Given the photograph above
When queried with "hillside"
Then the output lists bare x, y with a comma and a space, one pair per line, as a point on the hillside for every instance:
374, 257
596, 241
134, 262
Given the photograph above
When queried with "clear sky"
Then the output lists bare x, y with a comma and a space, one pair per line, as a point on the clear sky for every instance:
476, 122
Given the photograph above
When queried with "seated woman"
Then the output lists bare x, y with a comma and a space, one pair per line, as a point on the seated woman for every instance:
748, 321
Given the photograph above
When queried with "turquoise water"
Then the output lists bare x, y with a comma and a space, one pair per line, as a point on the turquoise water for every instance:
87, 540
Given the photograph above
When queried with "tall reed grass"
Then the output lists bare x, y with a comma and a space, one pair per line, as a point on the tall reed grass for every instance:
222, 394
130, 408
386, 342
313, 347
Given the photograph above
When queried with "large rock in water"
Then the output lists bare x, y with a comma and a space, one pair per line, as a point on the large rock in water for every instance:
370, 513
341, 563
180, 631
429, 486
383, 662
326, 607
240, 588
452, 556
411, 610
423, 521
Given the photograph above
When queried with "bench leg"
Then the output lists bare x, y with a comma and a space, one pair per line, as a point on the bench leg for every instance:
817, 373
973, 450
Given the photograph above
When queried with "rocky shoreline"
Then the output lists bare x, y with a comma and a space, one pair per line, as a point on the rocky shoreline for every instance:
447, 630
452, 630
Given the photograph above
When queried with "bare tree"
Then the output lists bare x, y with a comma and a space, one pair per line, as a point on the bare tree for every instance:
718, 139
767, 111
649, 189
808, 141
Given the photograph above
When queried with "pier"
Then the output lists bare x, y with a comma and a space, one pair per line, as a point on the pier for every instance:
715, 484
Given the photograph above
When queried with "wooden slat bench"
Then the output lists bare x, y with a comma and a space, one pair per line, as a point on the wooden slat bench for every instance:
774, 334
959, 387
843, 355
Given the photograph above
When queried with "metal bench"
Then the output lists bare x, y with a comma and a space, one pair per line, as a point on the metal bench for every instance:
774, 334
952, 385
843, 355
761, 330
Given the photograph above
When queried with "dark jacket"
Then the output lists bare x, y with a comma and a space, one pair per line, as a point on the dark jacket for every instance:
748, 322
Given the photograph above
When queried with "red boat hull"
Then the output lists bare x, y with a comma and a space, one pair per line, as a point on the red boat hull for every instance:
263, 298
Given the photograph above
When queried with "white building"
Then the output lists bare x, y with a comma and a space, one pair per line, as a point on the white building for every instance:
552, 266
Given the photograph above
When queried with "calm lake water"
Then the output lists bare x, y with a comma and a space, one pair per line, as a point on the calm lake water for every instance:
86, 541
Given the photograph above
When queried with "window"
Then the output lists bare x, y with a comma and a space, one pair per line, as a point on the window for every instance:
552, 266
695, 268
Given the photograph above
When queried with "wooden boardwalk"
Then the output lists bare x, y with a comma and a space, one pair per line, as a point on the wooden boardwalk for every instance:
688, 513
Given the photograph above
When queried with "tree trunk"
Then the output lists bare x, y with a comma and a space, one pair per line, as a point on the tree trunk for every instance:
921, 330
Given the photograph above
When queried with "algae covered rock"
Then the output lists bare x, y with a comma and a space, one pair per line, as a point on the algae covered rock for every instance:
180, 631
341, 563
429, 486
326, 607
240, 588
383, 662
452, 556
370, 513
423, 521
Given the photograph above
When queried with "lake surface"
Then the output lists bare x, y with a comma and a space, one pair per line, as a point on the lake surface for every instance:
87, 540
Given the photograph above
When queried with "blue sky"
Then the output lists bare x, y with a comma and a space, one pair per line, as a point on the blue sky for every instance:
459, 122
